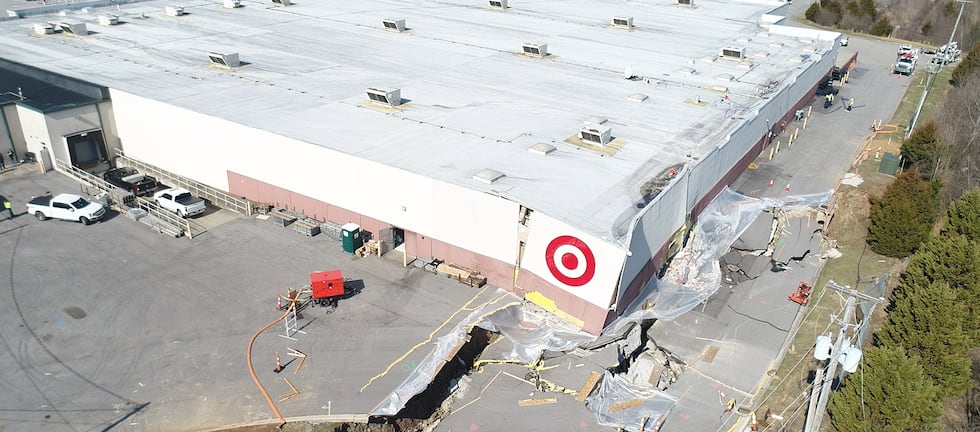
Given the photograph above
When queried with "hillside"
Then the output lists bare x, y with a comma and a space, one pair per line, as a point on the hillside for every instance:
929, 22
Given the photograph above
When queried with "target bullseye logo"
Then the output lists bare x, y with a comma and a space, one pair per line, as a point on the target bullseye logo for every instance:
570, 260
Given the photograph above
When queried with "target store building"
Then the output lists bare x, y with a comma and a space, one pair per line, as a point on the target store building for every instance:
559, 148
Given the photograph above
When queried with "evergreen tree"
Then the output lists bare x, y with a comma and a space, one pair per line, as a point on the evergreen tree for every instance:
922, 148
903, 217
952, 259
964, 215
929, 325
890, 393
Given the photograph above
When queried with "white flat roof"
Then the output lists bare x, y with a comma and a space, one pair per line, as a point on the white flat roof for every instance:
471, 102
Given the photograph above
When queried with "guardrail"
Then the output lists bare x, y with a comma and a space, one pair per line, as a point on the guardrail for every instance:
165, 221
215, 196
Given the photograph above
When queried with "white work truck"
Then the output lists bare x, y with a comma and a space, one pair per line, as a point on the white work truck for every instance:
67, 207
180, 201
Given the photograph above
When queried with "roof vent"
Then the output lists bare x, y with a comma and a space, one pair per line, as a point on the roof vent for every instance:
595, 134
75, 28
498, 4
43, 29
390, 97
595, 121
108, 20
637, 97
174, 10
622, 22
231, 4
488, 176
735, 53
685, 2
282, 2
539, 50
541, 149
229, 60
397, 25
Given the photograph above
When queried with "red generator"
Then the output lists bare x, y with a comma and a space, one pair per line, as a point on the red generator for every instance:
327, 286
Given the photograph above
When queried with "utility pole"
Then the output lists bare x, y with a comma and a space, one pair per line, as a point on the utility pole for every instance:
963, 4
933, 69
823, 382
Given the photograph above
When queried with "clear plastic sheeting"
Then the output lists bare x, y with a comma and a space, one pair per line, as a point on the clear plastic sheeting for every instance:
694, 274
621, 404
529, 332
532, 332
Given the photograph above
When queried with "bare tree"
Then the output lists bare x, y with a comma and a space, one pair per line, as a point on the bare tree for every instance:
959, 127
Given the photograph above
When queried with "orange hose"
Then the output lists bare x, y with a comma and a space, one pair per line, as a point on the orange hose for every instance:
251, 370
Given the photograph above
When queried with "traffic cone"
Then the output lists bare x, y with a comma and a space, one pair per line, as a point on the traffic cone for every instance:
278, 302
771, 182
786, 188
278, 364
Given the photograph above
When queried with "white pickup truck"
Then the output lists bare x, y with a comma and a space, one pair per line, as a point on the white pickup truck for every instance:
65, 206
180, 201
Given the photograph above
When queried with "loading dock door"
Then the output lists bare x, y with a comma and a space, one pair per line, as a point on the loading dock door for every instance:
390, 238
86, 149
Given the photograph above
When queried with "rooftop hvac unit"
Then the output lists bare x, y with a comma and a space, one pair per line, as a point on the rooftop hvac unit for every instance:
685, 2
282, 2
231, 4
390, 97
108, 20
535, 49
499, 4
596, 134
43, 29
621, 21
394, 24
174, 10
74, 28
735, 53
226, 60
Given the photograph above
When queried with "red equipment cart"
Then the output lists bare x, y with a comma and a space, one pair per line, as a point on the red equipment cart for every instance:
327, 287
802, 294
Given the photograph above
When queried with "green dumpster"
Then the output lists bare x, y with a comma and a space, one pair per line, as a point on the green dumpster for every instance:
351, 235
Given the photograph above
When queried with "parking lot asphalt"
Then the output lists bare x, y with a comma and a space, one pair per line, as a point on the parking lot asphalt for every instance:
115, 326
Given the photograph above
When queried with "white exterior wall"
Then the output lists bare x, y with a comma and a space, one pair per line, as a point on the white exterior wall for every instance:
661, 218
597, 266
49, 130
35, 130
203, 148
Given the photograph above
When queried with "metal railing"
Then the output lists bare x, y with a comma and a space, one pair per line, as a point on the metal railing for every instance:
215, 196
165, 221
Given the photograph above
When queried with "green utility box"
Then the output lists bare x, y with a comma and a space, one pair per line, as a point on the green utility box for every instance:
889, 164
350, 234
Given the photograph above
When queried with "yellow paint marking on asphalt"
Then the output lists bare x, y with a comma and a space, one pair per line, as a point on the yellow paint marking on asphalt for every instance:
427, 340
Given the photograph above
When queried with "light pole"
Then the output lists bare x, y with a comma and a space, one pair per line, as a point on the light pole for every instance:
933, 70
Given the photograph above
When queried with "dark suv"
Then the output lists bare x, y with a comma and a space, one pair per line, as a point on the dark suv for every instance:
131, 180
